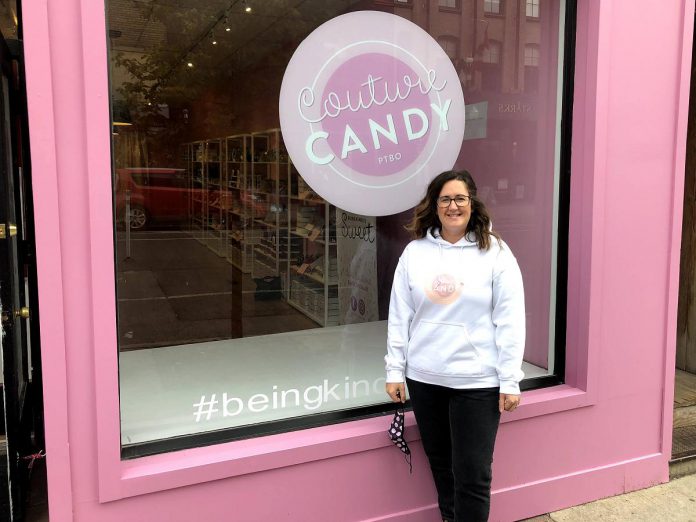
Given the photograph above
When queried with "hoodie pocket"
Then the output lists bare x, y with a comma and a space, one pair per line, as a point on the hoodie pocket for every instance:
443, 349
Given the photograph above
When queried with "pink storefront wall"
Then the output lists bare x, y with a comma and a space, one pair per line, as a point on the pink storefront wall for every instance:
607, 431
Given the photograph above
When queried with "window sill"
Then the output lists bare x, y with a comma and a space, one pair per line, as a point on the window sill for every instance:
450, 9
394, 3
167, 471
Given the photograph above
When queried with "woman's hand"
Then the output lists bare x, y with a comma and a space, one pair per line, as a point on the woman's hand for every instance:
508, 402
397, 391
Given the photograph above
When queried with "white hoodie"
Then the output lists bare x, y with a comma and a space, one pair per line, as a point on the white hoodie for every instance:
456, 315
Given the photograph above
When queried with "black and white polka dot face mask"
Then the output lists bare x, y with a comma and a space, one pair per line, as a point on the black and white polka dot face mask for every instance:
398, 436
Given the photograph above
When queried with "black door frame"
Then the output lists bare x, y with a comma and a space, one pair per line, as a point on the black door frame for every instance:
22, 387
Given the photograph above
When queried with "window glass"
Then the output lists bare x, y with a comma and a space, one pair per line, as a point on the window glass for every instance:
450, 45
533, 8
246, 301
452, 4
493, 6
490, 52
531, 68
531, 55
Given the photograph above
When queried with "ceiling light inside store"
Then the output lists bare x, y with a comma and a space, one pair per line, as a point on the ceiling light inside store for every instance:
190, 64
247, 8
227, 24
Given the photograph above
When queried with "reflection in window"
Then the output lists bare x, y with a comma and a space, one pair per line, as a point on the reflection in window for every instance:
533, 8
491, 69
450, 45
531, 68
492, 6
234, 277
531, 55
491, 53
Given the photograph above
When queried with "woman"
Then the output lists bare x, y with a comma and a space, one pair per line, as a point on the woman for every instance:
456, 337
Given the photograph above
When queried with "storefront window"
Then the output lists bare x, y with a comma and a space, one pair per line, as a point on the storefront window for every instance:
246, 302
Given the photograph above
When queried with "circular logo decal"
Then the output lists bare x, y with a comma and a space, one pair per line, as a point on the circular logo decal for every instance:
371, 109
444, 289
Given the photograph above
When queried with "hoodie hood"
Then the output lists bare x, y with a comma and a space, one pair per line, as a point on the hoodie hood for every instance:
433, 235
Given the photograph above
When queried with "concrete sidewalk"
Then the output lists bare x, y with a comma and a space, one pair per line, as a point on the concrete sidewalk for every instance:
674, 501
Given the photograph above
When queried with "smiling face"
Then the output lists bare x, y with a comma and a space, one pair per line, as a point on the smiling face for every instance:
454, 219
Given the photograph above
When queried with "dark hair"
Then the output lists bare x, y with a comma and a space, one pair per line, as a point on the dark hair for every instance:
426, 217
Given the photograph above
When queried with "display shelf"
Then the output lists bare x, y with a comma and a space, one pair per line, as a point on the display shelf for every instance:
265, 250
237, 156
296, 270
236, 152
196, 175
312, 266
262, 222
250, 204
316, 199
262, 269
218, 175
313, 300
238, 257
213, 179
258, 250
300, 308
187, 149
242, 215
269, 180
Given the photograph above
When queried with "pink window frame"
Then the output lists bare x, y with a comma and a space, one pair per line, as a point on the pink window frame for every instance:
46, 50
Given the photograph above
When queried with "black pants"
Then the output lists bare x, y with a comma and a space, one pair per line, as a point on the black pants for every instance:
458, 429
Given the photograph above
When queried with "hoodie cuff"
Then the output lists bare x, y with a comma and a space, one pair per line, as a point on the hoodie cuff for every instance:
509, 387
395, 376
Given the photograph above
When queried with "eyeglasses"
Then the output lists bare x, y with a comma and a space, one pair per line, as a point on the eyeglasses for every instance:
459, 200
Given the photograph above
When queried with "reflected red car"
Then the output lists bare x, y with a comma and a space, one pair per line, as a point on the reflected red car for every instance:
157, 195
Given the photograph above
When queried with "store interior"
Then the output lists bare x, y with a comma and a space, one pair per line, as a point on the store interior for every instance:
225, 254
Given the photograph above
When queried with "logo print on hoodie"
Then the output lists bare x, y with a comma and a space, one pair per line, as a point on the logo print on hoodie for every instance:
444, 289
